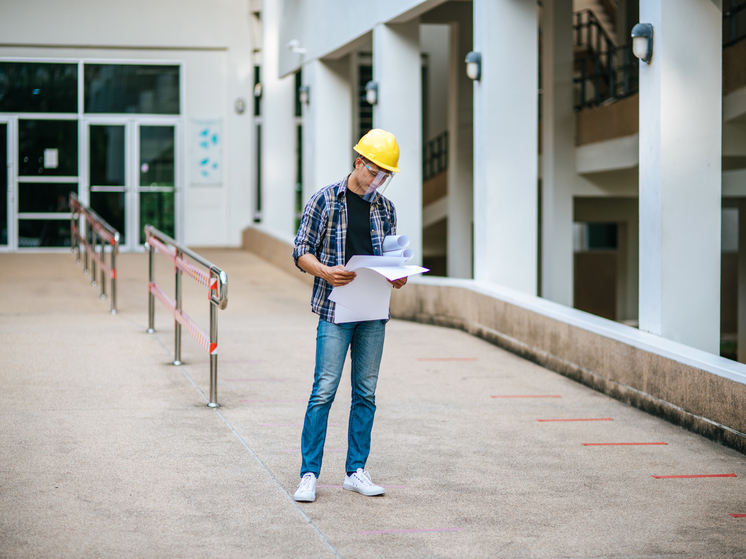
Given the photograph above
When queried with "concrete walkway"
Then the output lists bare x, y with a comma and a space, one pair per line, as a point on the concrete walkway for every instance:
108, 450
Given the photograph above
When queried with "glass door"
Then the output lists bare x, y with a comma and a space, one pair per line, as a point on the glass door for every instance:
133, 176
5, 190
47, 171
157, 178
107, 174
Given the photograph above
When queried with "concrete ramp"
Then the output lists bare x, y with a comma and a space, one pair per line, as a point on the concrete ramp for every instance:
108, 450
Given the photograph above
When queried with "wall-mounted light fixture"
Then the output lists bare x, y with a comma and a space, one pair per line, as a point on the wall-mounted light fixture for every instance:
474, 65
303, 92
642, 41
371, 92
240, 105
294, 46
258, 90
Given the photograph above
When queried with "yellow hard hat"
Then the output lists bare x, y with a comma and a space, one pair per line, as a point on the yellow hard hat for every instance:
381, 148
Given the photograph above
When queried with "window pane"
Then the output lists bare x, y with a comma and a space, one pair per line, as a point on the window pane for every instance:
48, 147
38, 87
110, 206
3, 184
131, 88
107, 155
157, 156
45, 197
157, 209
43, 233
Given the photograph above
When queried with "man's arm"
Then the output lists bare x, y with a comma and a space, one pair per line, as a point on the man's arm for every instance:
335, 275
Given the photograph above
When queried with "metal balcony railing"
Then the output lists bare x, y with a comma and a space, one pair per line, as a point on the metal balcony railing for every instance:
435, 156
734, 21
605, 72
92, 241
213, 278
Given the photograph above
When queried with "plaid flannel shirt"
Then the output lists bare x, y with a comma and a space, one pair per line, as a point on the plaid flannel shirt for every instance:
323, 233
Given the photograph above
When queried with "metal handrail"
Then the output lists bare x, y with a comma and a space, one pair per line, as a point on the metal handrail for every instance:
216, 281
97, 233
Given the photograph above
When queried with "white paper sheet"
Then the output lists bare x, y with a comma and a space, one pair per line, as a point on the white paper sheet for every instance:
395, 242
403, 253
367, 297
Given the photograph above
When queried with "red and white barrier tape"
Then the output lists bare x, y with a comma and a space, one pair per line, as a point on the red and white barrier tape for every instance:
95, 255
200, 276
183, 319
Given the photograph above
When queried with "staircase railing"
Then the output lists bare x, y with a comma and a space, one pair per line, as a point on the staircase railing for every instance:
91, 243
206, 274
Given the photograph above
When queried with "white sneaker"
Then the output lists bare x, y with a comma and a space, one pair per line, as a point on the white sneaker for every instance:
360, 481
306, 491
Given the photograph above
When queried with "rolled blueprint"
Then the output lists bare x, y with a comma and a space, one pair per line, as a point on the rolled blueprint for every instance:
404, 253
395, 242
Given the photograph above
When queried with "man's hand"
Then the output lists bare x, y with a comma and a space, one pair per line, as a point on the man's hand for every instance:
337, 276
398, 284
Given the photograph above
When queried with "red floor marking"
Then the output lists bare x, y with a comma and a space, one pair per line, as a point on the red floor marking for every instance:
738, 515
447, 359
623, 444
688, 477
411, 531
590, 419
528, 396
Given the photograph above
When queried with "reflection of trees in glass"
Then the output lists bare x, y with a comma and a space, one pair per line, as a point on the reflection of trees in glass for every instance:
106, 165
110, 206
43, 233
38, 87
157, 156
131, 88
45, 197
157, 209
34, 136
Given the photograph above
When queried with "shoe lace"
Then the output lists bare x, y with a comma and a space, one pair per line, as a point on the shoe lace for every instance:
306, 482
365, 478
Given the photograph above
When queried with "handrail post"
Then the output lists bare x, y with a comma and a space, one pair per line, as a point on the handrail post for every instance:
114, 247
213, 403
151, 297
103, 266
92, 244
72, 230
84, 236
177, 325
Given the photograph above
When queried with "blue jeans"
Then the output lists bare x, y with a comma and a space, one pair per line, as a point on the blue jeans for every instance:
365, 342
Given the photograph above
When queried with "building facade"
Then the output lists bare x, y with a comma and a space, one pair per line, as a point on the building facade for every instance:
566, 169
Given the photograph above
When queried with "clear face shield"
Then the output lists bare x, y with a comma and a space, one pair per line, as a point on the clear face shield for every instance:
379, 180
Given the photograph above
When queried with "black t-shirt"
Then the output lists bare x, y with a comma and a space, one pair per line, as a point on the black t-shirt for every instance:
358, 226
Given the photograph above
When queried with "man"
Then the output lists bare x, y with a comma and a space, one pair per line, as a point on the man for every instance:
341, 220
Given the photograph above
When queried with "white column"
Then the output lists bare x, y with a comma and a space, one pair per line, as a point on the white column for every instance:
558, 152
327, 124
742, 280
505, 143
680, 172
460, 151
278, 132
398, 71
